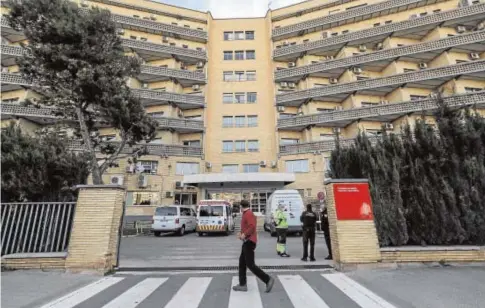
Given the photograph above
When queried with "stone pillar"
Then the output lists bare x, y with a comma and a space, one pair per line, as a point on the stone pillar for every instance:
352, 229
95, 232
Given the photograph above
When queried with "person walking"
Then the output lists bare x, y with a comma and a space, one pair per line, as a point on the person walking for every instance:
249, 237
326, 231
309, 220
281, 224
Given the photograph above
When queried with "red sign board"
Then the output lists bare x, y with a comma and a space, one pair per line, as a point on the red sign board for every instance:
321, 195
352, 201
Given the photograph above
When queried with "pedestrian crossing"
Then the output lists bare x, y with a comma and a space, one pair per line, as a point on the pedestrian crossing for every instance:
291, 290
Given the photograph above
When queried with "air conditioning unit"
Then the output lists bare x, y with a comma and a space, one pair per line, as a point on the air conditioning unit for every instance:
121, 31
357, 70
433, 95
291, 64
262, 163
325, 34
180, 114
460, 29
208, 165
142, 181
413, 16
338, 108
389, 126
164, 39
4, 69
423, 65
480, 26
116, 180
178, 184
274, 164
474, 56
196, 87
384, 102
130, 168
169, 194
380, 46
330, 57
286, 43
362, 48
153, 17
336, 130
200, 64
333, 80
144, 85
183, 67
283, 84
281, 108
291, 85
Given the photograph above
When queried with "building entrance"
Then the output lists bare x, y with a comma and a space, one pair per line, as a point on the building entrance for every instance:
257, 197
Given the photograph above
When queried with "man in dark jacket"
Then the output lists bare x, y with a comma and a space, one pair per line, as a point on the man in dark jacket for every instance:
309, 220
326, 231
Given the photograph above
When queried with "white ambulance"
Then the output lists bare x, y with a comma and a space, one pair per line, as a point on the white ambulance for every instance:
214, 216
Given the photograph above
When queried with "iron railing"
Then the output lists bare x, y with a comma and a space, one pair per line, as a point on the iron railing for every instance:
30, 227
165, 49
398, 79
357, 37
392, 53
317, 146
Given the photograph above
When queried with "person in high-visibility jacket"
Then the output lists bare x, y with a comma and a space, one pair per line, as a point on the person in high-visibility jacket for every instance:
281, 225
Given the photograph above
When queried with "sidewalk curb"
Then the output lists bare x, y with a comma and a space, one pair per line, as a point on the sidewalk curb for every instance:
219, 268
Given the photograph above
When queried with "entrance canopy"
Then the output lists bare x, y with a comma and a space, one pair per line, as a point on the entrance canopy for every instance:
253, 178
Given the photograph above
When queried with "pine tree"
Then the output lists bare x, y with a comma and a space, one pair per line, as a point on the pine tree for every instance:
76, 60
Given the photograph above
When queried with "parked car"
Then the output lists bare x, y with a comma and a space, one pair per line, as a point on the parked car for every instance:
215, 216
174, 218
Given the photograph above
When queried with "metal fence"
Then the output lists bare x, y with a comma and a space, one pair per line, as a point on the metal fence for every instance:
33, 227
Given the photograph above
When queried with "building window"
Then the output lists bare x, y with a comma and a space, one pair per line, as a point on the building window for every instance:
470, 89
251, 75
230, 168
250, 54
239, 55
239, 35
326, 137
147, 166
240, 121
156, 114
240, 98
250, 168
253, 145
309, 192
10, 100
192, 143
186, 168
408, 70
228, 76
417, 97
461, 61
227, 55
240, 146
252, 97
323, 110
368, 104
227, 146
252, 121
287, 115
286, 141
227, 98
300, 165
250, 35
239, 76
227, 121
228, 36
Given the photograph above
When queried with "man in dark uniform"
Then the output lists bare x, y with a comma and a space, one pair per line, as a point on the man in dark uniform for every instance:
326, 231
309, 220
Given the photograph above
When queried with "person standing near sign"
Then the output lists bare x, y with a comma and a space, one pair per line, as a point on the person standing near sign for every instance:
281, 225
326, 231
309, 220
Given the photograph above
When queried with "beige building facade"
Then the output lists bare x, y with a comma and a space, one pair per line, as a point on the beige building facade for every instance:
248, 106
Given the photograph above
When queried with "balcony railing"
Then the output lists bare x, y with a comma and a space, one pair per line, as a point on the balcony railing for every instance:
359, 37
17, 110
399, 79
381, 110
365, 12
318, 146
429, 46
165, 49
186, 99
154, 149
15, 51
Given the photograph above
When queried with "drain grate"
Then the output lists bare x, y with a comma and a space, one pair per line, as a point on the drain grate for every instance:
219, 268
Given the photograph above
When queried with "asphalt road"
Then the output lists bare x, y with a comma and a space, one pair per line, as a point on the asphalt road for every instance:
214, 250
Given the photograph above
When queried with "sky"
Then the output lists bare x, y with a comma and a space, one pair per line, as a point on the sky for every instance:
232, 8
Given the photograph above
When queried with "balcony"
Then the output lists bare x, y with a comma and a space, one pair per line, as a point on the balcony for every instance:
155, 149
321, 6
12, 82
313, 147
379, 113
413, 28
422, 52
9, 33
151, 51
351, 16
47, 115
426, 79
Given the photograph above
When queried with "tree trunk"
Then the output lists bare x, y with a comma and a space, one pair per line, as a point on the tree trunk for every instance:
95, 170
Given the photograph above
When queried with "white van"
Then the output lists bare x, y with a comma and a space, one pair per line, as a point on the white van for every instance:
174, 218
214, 216
294, 207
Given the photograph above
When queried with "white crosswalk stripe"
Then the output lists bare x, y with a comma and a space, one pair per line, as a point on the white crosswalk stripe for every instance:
251, 298
191, 293
296, 291
359, 294
301, 294
136, 294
